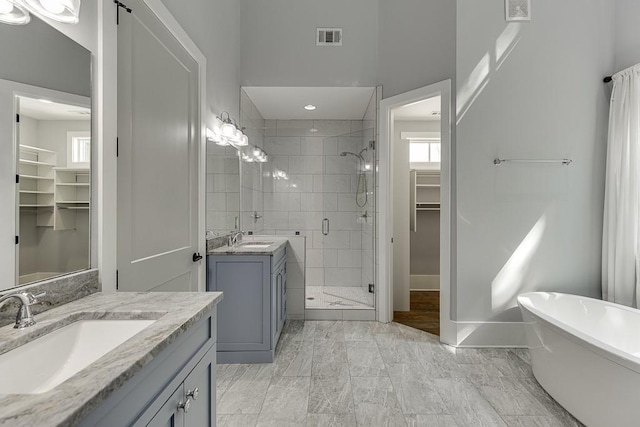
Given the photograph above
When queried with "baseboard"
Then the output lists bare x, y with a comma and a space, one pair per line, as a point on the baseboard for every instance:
490, 334
424, 282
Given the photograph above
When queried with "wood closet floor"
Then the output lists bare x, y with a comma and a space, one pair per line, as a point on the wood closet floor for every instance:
424, 314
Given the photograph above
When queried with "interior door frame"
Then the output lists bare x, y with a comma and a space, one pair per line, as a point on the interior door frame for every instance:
172, 25
447, 251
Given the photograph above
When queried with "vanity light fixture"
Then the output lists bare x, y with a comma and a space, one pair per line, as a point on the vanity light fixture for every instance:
65, 11
310, 107
227, 132
254, 154
13, 13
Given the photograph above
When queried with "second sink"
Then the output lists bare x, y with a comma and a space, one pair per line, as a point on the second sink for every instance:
255, 245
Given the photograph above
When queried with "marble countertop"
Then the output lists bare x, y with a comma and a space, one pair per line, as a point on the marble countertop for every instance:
73, 400
276, 244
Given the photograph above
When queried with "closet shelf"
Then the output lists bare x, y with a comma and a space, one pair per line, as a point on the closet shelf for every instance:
36, 177
35, 192
83, 171
35, 206
35, 163
35, 149
72, 202
73, 184
428, 185
75, 208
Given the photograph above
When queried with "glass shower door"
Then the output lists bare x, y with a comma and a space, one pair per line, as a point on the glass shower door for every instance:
349, 222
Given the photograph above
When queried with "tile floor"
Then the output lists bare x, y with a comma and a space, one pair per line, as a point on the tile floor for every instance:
338, 297
372, 374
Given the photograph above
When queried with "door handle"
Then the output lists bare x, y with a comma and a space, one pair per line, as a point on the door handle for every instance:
197, 257
325, 226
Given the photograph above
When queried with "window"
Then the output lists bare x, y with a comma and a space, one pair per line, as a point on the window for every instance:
78, 149
424, 152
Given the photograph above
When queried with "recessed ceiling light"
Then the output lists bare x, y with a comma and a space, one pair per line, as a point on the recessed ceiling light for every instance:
313, 130
45, 101
310, 107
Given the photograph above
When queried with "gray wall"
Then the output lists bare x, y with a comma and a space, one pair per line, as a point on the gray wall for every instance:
214, 26
278, 43
42, 56
531, 90
417, 44
627, 33
403, 45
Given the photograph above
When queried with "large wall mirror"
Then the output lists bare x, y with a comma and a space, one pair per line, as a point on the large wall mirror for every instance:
45, 154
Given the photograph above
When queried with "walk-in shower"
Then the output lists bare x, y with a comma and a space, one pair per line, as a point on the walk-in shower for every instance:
343, 275
318, 187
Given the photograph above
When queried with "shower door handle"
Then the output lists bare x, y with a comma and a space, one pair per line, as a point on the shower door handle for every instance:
325, 226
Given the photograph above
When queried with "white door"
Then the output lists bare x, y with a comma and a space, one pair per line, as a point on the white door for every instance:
158, 134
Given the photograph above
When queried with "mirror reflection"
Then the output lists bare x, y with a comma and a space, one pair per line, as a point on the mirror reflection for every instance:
54, 147
45, 154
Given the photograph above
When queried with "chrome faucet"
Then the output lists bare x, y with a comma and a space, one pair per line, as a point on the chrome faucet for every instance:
234, 237
24, 318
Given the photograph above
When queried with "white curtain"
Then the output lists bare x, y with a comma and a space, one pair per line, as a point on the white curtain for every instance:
621, 242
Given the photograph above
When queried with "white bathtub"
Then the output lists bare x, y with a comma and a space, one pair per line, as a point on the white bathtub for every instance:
586, 354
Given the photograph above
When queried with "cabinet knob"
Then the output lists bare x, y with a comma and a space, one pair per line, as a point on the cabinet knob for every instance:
193, 393
184, 406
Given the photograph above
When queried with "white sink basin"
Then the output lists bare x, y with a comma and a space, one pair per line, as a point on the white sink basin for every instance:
255, 245
48, 361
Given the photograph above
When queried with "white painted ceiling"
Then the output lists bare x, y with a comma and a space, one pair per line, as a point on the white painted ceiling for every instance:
419, 111
52, 111
333, 103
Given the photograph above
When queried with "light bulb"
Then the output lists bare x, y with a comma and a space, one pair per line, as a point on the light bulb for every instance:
5, 6
52, 6
256, 151
228, 130
237, 137
67, 11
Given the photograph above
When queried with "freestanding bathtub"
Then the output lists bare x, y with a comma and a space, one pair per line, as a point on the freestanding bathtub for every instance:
586, 354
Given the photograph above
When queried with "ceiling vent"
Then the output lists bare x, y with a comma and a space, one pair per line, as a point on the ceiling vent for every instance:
328, 36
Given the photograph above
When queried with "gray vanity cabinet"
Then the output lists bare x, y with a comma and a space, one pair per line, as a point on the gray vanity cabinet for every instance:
168, 416
253, 312
156, 396
191, 404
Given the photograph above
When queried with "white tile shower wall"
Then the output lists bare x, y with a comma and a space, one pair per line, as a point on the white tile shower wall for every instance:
306, 181
252, 172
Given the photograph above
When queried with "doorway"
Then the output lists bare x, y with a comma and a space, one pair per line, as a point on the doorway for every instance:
415, 175
416, 154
